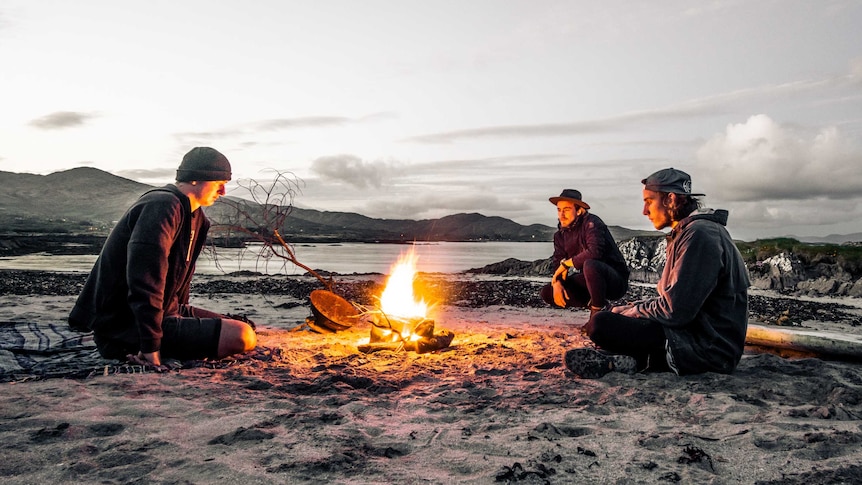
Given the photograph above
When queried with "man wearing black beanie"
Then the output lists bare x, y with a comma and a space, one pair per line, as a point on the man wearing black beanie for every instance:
136, 298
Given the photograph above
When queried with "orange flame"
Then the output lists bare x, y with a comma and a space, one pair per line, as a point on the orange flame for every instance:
398, 299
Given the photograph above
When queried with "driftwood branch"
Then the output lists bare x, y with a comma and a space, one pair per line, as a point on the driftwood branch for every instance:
257, 219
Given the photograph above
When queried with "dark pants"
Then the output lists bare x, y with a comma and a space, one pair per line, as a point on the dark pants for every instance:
194, 334
594, 285
640, 338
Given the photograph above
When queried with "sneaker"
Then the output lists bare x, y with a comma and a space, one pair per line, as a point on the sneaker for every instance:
589, 363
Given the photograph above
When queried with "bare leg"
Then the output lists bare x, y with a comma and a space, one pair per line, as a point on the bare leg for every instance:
236, 337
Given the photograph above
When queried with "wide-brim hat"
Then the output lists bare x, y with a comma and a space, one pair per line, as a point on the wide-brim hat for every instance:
570, 195
671, 181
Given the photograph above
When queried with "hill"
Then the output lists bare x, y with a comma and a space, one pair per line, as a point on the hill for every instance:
81, 199
87, 202
830, 239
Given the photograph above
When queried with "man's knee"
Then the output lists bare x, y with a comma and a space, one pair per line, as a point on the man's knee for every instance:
591, 266
236, 337
248, 338
596, 327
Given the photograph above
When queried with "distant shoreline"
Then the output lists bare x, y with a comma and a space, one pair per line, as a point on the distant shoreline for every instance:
12, 245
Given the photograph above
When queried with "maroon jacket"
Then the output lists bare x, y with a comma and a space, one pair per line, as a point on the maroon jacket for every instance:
588, 238
143, 273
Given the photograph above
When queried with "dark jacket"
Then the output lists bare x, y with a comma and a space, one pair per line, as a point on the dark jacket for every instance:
144, 270
587, 238
703, 296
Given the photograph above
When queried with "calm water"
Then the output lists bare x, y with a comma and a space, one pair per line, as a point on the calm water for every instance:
444, 257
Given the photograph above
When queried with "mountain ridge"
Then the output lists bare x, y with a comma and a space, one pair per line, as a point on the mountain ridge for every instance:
86, 200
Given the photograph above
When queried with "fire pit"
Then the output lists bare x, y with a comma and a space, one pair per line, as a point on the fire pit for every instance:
401, 321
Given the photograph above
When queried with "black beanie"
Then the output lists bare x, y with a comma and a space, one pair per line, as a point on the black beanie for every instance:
203, 163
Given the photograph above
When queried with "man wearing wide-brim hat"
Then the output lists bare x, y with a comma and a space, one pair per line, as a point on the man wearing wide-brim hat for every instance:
588, 266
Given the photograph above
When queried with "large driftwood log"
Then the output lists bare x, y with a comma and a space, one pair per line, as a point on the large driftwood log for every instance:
817, 342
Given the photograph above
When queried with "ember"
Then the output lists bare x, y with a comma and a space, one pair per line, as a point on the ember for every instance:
401, 321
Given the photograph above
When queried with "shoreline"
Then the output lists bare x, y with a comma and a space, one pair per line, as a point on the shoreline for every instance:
465, 289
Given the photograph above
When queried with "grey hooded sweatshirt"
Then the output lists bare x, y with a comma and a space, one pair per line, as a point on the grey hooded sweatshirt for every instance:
702, 298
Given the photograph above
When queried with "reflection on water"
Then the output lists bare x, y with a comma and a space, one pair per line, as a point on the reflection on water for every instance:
443, 257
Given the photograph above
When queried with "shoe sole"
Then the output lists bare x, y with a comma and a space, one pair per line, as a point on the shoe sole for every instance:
592, 364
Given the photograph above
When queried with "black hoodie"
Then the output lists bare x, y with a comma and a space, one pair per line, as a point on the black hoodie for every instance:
144, 270
703, 296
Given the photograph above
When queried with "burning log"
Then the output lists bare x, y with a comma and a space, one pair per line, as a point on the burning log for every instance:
415, 335
385, 329
423, 346
401, 322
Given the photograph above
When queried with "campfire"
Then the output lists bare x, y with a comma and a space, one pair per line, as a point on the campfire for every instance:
401, 320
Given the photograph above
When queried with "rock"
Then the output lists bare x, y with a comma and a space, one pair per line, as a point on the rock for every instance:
784, 272
516, 267
645, 253
780, 272
817, 287
645, 257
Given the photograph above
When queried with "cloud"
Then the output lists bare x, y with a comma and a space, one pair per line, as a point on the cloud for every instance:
61, 119
763, 160
704, 107
755, 220
295, 123
393, 190
148, 176
278, 124
802, 213
434, 204
354, 171
275, 125
604, 125
516, 187
238, 131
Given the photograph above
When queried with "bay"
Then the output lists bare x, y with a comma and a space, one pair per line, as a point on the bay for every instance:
343, 258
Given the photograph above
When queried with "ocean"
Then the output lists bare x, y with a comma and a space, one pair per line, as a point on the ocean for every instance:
343, 258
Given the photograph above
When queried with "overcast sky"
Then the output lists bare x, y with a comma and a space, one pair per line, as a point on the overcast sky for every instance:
420, 109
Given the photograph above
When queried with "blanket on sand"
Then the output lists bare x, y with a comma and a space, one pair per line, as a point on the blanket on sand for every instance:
41, 350
44, 349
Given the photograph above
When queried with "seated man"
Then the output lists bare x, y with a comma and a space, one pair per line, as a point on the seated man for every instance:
698, 321
589, 266
136, 298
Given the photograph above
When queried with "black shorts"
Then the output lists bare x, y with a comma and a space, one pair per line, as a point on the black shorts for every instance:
187, 338
194, 334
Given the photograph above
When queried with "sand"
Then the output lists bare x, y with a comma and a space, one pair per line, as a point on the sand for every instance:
496, 407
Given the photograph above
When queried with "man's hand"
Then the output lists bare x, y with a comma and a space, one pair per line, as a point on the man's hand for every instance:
151, 359
561, 296
625, 310
562, 270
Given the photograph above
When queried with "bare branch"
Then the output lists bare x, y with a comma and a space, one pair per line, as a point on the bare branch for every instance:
261, 219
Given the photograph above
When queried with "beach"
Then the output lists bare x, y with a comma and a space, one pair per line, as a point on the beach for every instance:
496, 406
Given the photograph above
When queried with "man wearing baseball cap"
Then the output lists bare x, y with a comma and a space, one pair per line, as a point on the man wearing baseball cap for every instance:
136, 298
698, 321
